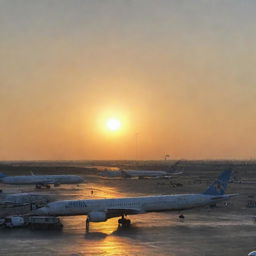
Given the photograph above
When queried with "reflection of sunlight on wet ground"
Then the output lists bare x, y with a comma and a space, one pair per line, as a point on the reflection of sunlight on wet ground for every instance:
99, 191
154, 233
107, 239
87, 191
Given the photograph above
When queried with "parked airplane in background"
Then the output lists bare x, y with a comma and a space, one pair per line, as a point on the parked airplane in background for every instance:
21, 198
99, 210
142, 173
21, 203
138, 174
41, 180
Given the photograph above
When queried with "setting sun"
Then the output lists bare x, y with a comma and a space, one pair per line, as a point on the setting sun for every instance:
113, 124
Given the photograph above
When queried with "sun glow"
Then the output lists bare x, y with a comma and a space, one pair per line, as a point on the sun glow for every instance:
113, 124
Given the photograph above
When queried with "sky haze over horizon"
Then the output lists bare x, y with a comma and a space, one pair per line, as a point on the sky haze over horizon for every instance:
179, 75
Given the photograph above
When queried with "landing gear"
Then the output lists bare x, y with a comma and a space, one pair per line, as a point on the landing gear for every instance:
125, 223
39, 186
87, 225
181, 217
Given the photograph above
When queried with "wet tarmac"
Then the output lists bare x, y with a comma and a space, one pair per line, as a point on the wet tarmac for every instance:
207, 232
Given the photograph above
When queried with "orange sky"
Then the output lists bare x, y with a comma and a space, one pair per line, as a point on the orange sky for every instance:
180, 74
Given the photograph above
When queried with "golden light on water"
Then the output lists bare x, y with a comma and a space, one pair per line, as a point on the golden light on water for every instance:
113, 124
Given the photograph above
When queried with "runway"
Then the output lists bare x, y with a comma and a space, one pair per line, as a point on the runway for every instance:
208, 232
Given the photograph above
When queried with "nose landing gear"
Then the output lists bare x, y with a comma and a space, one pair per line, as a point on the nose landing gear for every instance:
87, 225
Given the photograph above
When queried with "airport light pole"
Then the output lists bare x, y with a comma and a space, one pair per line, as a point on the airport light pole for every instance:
136, 146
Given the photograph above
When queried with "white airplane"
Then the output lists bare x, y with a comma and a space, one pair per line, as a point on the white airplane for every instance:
142, 173
100, 210
40, 180
138, 174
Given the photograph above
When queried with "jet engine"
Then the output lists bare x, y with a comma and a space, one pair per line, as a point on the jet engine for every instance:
97, 216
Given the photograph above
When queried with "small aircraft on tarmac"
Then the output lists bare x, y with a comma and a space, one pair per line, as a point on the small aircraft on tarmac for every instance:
41, 180
100, 210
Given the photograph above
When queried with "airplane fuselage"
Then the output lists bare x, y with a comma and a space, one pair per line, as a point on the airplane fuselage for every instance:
144, 173
133, 205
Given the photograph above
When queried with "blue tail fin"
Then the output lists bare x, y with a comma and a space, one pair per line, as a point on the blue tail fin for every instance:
219, 186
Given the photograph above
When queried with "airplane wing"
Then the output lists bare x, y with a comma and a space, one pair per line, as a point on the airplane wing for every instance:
176, 173
47, 181
125, 211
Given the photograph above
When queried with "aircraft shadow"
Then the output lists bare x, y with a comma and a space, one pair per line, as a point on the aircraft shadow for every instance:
95, 235
120, 231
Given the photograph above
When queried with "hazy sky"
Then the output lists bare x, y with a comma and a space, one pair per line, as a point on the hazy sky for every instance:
180, 74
